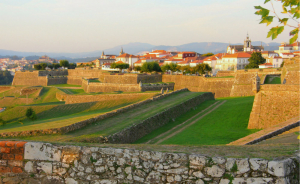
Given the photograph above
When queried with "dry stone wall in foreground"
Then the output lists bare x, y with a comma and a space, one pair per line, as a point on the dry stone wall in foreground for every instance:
48, 164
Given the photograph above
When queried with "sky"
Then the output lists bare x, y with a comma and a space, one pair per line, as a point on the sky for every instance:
89, 25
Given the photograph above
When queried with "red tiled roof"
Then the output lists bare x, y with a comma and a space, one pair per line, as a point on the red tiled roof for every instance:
238, 55
266, 64
119, 62
127, 55
287, 53
107, 64
290, 45
159, 51
197, 61
139, 61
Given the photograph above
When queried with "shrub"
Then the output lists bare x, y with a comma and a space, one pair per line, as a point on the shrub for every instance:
30, 114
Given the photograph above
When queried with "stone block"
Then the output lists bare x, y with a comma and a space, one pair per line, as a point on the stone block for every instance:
42, 151
215, 171
280, 168
258, 164
242, 166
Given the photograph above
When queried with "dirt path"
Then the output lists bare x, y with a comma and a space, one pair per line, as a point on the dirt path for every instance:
174, 128
193, 122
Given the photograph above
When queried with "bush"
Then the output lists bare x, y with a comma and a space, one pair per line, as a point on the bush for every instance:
2, 122
30, 114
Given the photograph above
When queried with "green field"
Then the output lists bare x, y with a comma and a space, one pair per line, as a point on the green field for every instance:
223, 125
57, 114
118, 122
272, 80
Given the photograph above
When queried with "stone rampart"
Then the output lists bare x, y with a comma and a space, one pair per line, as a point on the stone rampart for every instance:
90, 87
274, 104
158, 87
70, 99
135, 132
225, 73
46, 163
81, 124
57, 80
221, 87
29, 79
131, 78
53, 73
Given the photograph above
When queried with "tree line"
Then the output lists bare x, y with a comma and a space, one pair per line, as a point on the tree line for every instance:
62, 63
154, 67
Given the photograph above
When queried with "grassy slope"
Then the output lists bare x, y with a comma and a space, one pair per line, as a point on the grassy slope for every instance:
226, 124
119, 122
53, 116
177, 121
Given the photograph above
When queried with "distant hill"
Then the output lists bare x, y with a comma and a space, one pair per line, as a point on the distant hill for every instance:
136, 48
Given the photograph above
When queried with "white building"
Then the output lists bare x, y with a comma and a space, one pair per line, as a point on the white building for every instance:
235, 61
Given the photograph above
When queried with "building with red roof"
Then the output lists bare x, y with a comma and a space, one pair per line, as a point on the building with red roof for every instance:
288, 48
236, 61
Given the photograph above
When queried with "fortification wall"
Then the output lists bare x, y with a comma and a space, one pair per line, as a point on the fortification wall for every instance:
53, 73
29, 79
110, 87
158, 87
225, 73
83, 72
274, 104
292, 77
131, 78
221, 87
57, 80
70, 99
46, 163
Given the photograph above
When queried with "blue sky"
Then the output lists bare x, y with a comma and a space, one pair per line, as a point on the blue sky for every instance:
88, 25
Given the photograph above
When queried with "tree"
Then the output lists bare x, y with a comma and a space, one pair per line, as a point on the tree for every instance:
173, 67
37, 67
137, 68
165, 68
6, 77
282, 64
120, 66
64, 63
150, 67
208, 54
2, 122
255, 60
30, 114
291, 11
202, 68
72, 66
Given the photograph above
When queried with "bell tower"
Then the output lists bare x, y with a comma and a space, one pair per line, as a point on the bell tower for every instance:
247, 44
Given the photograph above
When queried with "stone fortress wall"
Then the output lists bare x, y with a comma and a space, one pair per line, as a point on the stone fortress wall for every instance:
277, 103
46, 163
274, 104
221, 87
39, 78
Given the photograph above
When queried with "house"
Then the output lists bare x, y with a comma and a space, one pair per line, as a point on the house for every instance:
172, 60
275, 61
247, 47
266, 65
288, 48
106, 66
266, 54
235, 61
127, 58
195, 63
287, 55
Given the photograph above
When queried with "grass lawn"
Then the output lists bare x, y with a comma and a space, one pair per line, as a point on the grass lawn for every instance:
272, 80
172, 124
121, 121
65, 85
223, 125
53, 115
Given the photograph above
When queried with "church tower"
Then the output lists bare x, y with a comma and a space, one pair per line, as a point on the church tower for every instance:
121, 51
247, 44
